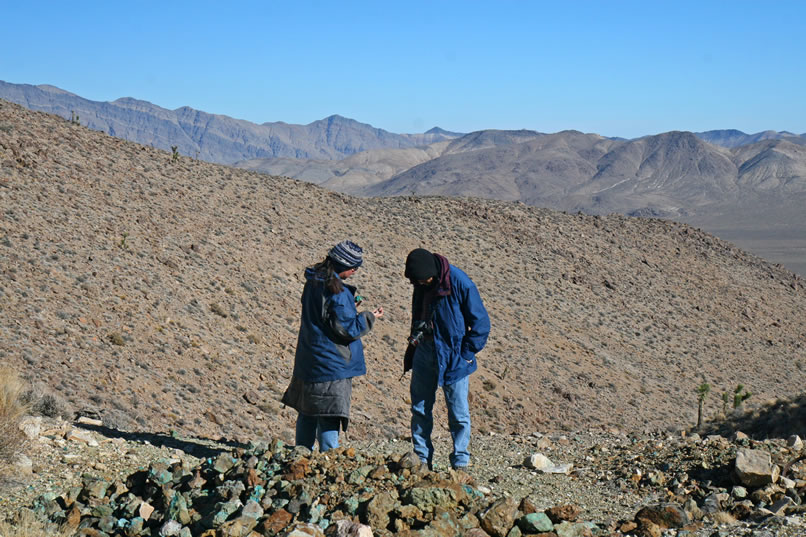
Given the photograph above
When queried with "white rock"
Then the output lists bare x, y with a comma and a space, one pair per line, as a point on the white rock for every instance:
754, 468
23, 465
145, 510
78, 435
794, 442
559, 469
90, 421
538, 461
31, 426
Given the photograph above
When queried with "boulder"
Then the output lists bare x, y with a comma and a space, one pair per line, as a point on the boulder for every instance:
500, 517
754, 468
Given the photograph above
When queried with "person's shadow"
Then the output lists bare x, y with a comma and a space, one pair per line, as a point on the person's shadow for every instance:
201, 448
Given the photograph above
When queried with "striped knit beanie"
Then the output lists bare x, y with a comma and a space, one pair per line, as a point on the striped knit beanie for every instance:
347, 255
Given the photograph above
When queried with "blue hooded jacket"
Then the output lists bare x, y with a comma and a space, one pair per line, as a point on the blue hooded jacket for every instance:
461, 324
329, 345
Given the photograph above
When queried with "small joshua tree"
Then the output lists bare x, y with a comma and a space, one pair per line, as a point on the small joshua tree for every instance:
739, 397
702, 393
174, 153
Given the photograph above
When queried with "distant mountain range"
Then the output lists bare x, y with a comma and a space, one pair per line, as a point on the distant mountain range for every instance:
225, 140
211, 137
723, 180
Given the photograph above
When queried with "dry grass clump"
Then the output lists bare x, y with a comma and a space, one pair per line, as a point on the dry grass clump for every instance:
723, 517
26, 524
12, 409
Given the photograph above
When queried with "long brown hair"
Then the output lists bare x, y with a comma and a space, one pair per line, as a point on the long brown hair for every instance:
327, 271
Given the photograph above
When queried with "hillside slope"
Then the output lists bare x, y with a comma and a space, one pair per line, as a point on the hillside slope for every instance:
164, 295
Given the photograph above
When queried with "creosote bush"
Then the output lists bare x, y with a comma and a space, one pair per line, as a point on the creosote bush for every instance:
12, 410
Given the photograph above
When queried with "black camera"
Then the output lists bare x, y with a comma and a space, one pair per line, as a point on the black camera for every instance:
419, 330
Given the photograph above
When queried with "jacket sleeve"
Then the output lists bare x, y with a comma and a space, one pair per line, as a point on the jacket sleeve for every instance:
477, 321
344, 321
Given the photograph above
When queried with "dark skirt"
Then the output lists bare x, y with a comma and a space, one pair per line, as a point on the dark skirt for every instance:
320, 399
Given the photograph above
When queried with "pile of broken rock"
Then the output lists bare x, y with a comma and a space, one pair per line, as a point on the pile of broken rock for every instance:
271, 489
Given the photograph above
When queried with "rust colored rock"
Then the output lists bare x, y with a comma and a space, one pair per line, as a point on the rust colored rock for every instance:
276, 522
667, 515
527, 506
252, 478
628, 526
559, 513
298, 469
73, 518
500, 518
649, 529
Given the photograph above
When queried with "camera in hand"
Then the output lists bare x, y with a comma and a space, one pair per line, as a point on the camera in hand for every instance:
419, 331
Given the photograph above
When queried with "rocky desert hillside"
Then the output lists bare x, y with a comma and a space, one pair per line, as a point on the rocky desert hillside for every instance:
162, 294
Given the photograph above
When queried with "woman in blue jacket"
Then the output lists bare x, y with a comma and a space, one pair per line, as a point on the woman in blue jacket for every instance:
329, 350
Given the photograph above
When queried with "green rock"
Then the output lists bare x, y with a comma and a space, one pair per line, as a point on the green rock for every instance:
358, 475
224, 510
135, 527
107, 523
94, 489
571, 529
178, 509
427, 499
351, 505
535, 523
102, 511
515, 532
316, 513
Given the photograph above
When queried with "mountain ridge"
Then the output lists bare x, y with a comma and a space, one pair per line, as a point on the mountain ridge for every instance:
213, 137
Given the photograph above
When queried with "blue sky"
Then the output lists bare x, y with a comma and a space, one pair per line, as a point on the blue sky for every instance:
611, 67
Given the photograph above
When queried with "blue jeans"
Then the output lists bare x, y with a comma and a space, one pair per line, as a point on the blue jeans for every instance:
312, 428
423, 395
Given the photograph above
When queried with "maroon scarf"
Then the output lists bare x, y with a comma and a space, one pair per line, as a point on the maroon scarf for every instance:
422, 298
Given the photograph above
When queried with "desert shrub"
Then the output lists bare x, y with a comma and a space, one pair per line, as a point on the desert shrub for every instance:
26, 524
723, 517
12, 410
40, 401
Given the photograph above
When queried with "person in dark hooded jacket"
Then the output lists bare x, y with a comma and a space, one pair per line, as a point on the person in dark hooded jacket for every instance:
329, 350
449, 327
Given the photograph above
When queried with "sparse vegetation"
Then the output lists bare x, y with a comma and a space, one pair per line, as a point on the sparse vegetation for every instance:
26, 524
174, 153
12, 410
702, 393
739, 397
218, 310
116, 339
45, 404
254, 339
74, 118
723, 517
